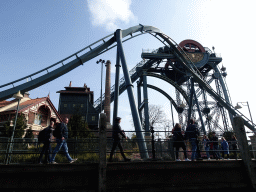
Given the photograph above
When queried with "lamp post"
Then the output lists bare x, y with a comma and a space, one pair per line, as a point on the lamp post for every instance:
101, 61
244, 104
18, 96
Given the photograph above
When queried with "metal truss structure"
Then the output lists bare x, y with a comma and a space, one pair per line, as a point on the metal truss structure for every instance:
189, 67
209, 114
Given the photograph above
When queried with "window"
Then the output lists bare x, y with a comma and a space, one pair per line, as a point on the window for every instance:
82, 105
38, 119
74, 105
93, 118
65, 105
83, 118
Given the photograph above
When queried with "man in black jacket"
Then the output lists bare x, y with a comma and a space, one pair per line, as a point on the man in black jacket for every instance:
215, 142
61, 134
117, 133
47, 144
192, 133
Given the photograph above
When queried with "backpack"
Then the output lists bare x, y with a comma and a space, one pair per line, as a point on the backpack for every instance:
57, 131
41, 136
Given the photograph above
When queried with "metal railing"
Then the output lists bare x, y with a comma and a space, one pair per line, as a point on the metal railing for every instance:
27, 151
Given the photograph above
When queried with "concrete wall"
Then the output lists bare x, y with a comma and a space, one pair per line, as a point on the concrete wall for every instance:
133, 176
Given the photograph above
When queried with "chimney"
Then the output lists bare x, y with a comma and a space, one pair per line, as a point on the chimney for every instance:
107, 91
70, 83
26, 95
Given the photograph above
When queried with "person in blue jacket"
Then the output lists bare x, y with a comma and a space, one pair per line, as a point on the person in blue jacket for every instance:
225, 148
61, 134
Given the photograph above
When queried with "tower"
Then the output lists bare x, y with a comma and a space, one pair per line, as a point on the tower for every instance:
74, 100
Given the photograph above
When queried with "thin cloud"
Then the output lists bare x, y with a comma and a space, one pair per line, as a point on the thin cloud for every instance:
110, 13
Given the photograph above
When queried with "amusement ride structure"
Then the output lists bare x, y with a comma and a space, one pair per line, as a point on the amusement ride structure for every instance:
201, 90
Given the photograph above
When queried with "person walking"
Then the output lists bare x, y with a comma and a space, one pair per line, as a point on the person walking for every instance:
225, 148
46, 150
61, 134
234, 145
191, 134
116, 135
215, 145
179, 142
206, 143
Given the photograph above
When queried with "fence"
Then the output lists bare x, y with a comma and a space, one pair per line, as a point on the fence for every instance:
87, 149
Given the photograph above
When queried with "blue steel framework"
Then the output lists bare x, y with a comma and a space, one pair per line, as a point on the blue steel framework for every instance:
107, 43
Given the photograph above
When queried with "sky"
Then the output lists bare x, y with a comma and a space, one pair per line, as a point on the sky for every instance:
37, 34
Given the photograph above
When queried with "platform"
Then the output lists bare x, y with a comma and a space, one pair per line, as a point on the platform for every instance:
128, 176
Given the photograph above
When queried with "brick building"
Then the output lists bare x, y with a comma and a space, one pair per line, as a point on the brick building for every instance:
38, 112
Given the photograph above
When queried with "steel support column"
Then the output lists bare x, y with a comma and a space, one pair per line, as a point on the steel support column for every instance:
139, 98
179, 103
225, 91
116, 93
172, 115
129, 88
197, 104
191, 104
206, 106
145, 101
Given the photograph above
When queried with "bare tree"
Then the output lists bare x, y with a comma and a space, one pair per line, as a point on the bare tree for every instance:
157, 117
168, 126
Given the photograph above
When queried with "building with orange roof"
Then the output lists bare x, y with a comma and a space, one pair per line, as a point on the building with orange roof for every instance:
38, 112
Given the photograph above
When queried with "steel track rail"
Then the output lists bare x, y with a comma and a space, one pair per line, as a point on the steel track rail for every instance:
77, 61
105, 46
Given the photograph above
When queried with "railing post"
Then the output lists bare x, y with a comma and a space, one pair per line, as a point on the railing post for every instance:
244, 148
102, 152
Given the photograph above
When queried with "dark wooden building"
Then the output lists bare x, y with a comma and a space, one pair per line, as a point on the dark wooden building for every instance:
78, 100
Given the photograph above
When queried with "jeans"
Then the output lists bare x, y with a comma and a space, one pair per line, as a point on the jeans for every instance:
207, 151
216, 153
194, 147
61, 144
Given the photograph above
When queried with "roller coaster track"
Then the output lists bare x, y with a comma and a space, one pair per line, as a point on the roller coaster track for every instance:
50, 73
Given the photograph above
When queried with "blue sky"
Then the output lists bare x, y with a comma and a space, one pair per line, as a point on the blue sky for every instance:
36, 34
